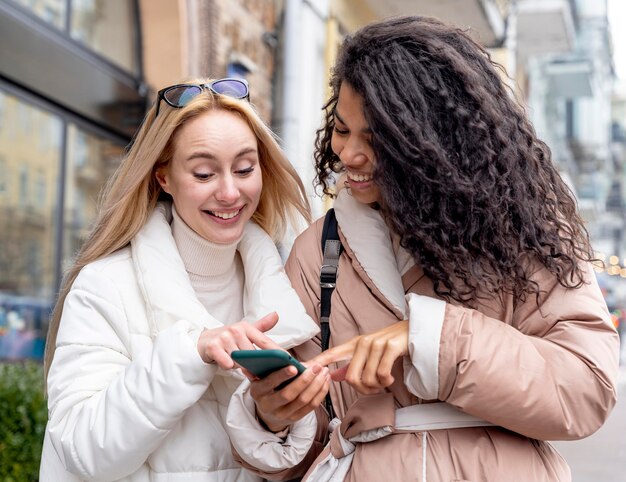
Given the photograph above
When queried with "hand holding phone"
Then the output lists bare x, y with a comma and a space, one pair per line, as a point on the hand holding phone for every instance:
280, 402
263, 362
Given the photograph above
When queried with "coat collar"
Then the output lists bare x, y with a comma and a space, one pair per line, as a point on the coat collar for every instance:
170, 297
369, 239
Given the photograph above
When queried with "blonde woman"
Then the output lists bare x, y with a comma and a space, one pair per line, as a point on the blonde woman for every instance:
180, 270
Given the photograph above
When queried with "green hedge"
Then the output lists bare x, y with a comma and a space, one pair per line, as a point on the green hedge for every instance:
23, 416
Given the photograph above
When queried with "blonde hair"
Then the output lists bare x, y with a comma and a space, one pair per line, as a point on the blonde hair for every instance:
131, 194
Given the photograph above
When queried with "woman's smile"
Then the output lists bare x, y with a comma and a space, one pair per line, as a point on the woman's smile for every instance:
230, 216
359, 181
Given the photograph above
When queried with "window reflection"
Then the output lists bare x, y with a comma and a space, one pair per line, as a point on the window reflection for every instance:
28, 189
52, 11
91, 161
30, 166
2, 101
30, 173
3, 178
106, 27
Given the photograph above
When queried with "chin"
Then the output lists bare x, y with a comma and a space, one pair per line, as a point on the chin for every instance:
227, 239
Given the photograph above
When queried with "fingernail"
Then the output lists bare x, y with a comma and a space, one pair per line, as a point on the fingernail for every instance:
316, 369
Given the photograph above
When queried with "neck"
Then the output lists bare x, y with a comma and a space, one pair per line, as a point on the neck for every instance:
201, 256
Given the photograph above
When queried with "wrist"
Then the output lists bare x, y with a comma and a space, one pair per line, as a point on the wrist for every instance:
275, 427
201, 346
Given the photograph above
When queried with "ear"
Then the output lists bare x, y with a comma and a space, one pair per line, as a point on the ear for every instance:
162, 176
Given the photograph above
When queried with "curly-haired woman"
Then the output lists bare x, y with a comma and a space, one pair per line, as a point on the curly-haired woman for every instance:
465, 299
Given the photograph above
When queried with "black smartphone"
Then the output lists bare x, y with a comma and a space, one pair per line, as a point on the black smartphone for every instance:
263, 362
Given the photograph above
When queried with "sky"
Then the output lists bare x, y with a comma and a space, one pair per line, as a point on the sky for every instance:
617, 19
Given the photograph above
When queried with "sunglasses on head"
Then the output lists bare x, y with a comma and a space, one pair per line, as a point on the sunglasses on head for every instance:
180, 95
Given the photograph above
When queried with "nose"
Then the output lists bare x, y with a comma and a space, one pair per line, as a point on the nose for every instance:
227, 191
352, 153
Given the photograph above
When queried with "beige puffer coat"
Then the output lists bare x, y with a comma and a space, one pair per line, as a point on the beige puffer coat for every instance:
538, 373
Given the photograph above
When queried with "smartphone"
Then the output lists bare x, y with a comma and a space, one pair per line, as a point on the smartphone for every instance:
263, 362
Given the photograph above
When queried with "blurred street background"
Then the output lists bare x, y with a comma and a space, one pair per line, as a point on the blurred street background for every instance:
77, 76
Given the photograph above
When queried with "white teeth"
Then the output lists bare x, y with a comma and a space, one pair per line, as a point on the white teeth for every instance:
225, 215
359, 177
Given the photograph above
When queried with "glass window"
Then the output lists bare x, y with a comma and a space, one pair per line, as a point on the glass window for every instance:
30, 214
3, 177
42, 187
237, 70
91, 161
108, 28
80, 148
24, 115
27, 226
52, 11
8, 109
23, 183
2, 102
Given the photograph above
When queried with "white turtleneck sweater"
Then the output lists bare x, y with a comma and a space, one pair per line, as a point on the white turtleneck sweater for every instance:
215, 271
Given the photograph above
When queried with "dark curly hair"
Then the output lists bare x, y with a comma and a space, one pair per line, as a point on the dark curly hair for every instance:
463, 178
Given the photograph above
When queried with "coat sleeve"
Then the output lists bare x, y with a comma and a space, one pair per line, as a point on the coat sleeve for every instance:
550, 375
108, 412
283, 456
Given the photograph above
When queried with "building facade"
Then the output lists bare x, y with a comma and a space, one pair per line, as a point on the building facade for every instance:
77, 76
71, 96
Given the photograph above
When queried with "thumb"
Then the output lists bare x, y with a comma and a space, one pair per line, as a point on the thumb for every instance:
267, 322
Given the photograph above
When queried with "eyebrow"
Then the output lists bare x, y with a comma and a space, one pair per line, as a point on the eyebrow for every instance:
367, 130
211, 156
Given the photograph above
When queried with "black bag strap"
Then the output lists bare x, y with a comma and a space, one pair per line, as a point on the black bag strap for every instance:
332, 249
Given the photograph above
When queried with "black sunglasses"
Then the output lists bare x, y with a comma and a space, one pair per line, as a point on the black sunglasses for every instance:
180, 95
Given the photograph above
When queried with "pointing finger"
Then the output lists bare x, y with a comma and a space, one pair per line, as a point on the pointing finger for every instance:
341, 352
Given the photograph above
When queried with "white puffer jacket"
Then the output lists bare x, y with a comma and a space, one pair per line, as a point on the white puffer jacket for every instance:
129, 396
